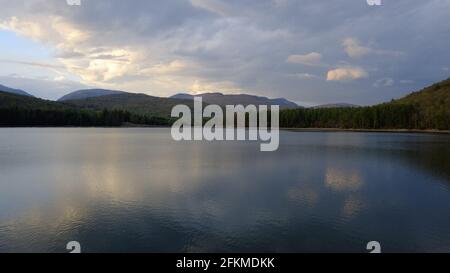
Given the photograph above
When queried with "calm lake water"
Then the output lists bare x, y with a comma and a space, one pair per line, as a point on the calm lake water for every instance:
136, 190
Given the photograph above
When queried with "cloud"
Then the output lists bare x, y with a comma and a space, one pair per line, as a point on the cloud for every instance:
28, 29
79, 54
214, 6
312, 58
59, 78
354, 49
55, 29
163, 47
346, 74
36, 64
307, 76
384, 82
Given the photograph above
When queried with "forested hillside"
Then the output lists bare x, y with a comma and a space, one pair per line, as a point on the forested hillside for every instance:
425, 109
433, 104
139, 104
18, 110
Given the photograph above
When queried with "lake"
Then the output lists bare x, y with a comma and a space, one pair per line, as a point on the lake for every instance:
137, 190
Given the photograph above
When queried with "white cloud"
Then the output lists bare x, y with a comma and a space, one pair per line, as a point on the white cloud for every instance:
59, 78
346, 74
202, 87
79, 53
306, 76
51, 29
354, 49
312, 59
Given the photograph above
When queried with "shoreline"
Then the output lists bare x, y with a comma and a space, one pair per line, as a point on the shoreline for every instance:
331, 130
416, 131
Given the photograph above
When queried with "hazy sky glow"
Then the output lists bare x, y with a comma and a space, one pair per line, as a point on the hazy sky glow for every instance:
309, 51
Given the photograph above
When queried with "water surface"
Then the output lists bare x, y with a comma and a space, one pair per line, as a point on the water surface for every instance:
136, 190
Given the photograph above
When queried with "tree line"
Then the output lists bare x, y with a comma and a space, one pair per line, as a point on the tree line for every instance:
383, 116
16, 116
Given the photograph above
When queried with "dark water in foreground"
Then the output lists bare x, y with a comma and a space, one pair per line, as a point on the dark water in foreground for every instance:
136, 190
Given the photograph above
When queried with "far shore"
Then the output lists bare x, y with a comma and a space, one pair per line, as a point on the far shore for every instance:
130, 125
425, 131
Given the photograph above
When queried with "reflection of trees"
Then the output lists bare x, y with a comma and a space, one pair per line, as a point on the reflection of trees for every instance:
430, 157
435, 160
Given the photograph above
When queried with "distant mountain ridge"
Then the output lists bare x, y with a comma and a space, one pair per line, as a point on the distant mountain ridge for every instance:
89, 93
25, 111
141, 104
8, 99
335, 105
14, 91
428, 108
234, 99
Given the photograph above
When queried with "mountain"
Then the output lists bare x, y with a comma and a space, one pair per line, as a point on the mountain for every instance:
244, 99
335, 105
143, 104
8, 99
428, 108
89, 93
135, 103
14, 91
433, 103
20, 110
434, 97
183, 96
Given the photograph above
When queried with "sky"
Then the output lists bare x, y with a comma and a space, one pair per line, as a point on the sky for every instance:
308, 51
